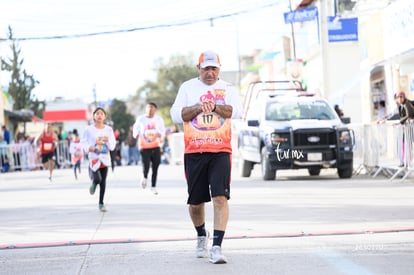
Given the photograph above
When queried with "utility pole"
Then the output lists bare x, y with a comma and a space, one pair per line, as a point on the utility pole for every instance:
292, 33
324, 47
95, 102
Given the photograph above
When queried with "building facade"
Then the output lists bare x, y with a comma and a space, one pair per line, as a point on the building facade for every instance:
355, 54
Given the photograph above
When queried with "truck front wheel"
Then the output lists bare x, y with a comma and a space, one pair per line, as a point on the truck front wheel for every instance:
245, 168
268, 173
346, 172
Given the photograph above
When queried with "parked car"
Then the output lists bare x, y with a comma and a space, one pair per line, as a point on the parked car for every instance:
287, 128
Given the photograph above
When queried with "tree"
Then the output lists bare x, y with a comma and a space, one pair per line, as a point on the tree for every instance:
120, 117
169, 78
21, 83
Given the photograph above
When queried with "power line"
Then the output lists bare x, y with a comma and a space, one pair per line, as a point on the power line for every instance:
160, 26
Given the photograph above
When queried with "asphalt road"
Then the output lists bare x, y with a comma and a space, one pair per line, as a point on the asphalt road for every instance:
295, 225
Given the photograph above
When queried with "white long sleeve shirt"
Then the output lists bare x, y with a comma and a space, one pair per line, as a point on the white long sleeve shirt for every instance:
93, 136
146, 130
206, 132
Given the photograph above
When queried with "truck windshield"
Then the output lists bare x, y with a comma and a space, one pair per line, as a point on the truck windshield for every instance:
282, 111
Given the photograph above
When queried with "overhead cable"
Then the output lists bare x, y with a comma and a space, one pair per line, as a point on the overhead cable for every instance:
160, 26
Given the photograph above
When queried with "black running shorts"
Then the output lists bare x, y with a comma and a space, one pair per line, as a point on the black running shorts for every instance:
48, 156
207, 172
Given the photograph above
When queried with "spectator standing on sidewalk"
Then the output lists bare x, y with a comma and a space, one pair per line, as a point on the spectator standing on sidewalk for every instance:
48, 141
76, 154
406, 112
149, 130
206, 104
116, 158
98, 140
406, 108
338, 110
133, 153
6, 134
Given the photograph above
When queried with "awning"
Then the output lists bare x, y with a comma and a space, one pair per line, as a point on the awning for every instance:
19, 116
64, 115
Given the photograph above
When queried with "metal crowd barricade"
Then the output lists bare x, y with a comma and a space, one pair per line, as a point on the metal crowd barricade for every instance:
369, 147
358, 148
63, 158
384, 148
25, 156
406, 140
363, 152
18, 157
390, 141
4, 158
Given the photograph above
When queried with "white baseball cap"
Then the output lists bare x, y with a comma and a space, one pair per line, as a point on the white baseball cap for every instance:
209, 59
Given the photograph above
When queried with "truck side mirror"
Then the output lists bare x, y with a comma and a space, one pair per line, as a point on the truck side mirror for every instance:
346, 120
253, 123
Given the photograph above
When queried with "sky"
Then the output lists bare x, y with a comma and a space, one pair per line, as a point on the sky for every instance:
73, 47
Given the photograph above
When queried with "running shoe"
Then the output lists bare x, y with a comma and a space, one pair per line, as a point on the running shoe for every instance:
202, 243
92, 188
102, 207
216, 257
144, 183
154, 190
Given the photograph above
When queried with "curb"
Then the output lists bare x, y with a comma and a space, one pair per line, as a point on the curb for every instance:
262, 236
